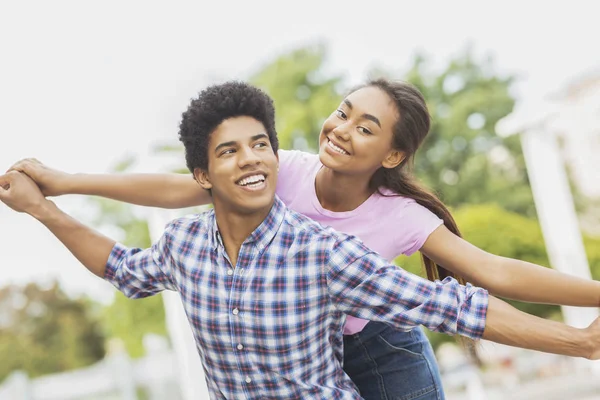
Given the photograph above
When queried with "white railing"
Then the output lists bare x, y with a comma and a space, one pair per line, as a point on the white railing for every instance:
115, 377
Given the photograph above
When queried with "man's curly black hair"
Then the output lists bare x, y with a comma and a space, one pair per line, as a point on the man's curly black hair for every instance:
214, 105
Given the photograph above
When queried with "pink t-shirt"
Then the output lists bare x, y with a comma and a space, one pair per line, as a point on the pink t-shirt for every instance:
391, 226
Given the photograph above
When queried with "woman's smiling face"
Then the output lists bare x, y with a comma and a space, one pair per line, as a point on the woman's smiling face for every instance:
357, 137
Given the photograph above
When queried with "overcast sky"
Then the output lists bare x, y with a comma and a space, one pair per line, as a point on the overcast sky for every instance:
83, 83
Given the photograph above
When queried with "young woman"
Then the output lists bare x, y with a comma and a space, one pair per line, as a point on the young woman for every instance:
360, 184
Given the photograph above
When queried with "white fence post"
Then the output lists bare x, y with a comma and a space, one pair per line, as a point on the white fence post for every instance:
556, 212
557, 216
16, 387
156, 347
122, 370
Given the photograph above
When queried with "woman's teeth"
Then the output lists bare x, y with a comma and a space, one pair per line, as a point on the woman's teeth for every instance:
337, 148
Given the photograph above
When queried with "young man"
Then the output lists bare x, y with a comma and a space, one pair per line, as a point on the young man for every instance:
266, 289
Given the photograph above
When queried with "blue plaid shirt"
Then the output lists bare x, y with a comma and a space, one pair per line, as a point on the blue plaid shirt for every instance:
270, 327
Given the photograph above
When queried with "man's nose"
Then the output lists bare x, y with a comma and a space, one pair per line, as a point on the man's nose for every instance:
247, 156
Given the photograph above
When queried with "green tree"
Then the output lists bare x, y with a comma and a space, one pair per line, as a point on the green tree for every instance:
43, 331
463, 159
303, 94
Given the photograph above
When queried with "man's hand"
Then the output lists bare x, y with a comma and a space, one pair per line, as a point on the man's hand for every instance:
50, 181
20, 193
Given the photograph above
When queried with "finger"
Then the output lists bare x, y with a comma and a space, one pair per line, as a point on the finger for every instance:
24, 166
19, 165
14, 166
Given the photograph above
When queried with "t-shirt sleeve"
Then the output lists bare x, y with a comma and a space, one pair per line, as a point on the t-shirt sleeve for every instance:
294, 165
418, 223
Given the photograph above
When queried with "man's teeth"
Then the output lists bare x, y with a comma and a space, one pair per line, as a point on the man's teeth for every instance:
337, 148
254, 179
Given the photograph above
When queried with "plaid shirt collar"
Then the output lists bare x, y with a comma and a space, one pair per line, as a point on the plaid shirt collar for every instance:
263, 234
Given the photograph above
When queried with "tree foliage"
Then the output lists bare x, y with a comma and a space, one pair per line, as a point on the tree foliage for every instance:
44, 331
463, 159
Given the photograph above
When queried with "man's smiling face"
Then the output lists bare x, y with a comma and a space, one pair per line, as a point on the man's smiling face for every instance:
242, 167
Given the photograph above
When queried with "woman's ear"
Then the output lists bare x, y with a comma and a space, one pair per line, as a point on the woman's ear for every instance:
393, 159
201, 177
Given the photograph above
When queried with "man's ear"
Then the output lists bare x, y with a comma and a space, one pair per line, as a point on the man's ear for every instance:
393, 159
201, 176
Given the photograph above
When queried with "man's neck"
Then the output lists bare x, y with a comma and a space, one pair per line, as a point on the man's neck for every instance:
235, 227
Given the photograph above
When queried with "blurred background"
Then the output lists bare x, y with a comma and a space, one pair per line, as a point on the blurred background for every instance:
513, 88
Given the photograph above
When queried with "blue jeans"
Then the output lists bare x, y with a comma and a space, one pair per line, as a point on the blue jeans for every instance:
387, 364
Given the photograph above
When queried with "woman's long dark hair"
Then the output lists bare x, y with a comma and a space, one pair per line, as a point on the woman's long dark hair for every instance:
409, 132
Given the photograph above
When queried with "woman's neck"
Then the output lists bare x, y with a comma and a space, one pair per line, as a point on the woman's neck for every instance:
339, 192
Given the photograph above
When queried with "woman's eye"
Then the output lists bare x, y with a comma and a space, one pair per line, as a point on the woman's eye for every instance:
340, 114
364, 130
230, 151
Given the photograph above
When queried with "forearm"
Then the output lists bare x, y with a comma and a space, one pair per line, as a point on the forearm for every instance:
524, 281
391, 295
507, 325
91, 248
153, 190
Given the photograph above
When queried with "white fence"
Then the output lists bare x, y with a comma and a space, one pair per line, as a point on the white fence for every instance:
158, 377
154, 377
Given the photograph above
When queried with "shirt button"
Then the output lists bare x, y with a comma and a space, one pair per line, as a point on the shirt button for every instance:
248, 379
229, 272
235, 311
240, 346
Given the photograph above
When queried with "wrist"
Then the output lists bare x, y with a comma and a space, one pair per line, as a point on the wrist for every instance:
585, 343
67, 184
43, 210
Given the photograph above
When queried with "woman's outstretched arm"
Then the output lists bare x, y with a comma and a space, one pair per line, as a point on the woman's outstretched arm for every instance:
507, 277
167, 190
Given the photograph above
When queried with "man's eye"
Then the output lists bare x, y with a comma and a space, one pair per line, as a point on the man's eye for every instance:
229, 151
261, 144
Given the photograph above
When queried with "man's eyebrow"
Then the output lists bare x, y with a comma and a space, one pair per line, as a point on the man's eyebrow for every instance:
234, 143
224, 144
259, 136
365, 116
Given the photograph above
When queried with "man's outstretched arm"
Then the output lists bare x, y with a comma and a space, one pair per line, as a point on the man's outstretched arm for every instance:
369, 288
135, 272
507, 325
91, 248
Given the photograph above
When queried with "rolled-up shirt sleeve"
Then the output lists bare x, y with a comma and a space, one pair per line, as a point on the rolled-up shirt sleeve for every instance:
365, 285
142, 272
